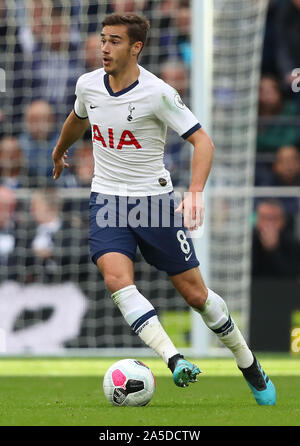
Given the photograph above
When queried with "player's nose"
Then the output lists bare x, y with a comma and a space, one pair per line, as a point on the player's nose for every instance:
105, 48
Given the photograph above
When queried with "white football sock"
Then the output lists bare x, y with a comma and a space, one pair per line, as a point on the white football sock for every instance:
216, 316
141, 316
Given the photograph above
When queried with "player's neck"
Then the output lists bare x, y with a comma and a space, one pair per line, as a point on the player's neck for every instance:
124, 79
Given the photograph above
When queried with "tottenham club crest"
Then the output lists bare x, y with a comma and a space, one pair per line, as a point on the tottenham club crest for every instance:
178, 101
130, 109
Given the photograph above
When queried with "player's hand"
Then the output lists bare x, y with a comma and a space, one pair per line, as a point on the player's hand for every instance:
59, 165
192, 207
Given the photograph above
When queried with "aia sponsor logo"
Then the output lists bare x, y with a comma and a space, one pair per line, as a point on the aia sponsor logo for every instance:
127, 139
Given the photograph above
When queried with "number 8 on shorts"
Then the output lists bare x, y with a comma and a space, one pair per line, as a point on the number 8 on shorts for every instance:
184, 244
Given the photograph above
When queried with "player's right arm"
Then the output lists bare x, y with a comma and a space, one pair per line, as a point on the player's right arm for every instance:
170, 109
73, 128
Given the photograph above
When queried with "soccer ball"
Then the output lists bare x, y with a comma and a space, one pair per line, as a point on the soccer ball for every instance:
129, 382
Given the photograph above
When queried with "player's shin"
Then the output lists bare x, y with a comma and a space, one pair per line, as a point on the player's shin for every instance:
216, 316
141, 316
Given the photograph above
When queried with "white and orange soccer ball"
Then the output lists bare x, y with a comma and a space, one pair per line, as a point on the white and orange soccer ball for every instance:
129, 382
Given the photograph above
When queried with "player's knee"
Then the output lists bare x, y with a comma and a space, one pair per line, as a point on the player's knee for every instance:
196, 297
115, 282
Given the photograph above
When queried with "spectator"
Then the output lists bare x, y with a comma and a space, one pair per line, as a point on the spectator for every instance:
173, 23
37, 143
275, 114
12, 61
43, 259
174, 72
285, 172
82, 171
33, 28
7, 225
288, 55
54, 241
167, 7
275, 252
91, 10
163, 18
40, 137
183, 23
12, 165
92, 55
286, 167
36, 13
55, 65
269, 55
45, 209
83, 165
127, 6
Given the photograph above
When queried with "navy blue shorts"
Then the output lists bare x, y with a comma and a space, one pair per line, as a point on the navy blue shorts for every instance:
120, 224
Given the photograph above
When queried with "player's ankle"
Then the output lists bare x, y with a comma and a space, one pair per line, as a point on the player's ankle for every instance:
173, 361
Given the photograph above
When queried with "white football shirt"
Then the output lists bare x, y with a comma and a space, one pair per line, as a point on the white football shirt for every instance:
129, 131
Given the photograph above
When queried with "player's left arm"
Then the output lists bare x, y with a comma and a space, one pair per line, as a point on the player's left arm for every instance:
192, 205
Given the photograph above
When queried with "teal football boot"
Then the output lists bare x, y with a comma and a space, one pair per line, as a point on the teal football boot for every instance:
260, 384
184, 372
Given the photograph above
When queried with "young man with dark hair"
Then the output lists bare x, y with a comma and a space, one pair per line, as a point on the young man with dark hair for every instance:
129, 110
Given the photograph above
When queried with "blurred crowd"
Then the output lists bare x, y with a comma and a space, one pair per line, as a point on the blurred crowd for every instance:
46, 45
276, 235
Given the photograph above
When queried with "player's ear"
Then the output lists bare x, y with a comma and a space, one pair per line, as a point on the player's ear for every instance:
137, 48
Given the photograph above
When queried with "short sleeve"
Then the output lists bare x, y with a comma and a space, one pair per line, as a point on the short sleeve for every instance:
79, 106
170, 109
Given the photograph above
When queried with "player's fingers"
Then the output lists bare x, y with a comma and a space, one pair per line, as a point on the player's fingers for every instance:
56, 173
194, 223
188, 217
197, 221
200, 217
194, 213
66, 165
180, 207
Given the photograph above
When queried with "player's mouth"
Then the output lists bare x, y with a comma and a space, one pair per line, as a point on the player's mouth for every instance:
106, 61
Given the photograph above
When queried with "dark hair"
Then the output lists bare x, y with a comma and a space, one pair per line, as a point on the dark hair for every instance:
137, 26
184, 4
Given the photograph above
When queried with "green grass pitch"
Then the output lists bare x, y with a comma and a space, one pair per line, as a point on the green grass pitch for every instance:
68, 392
